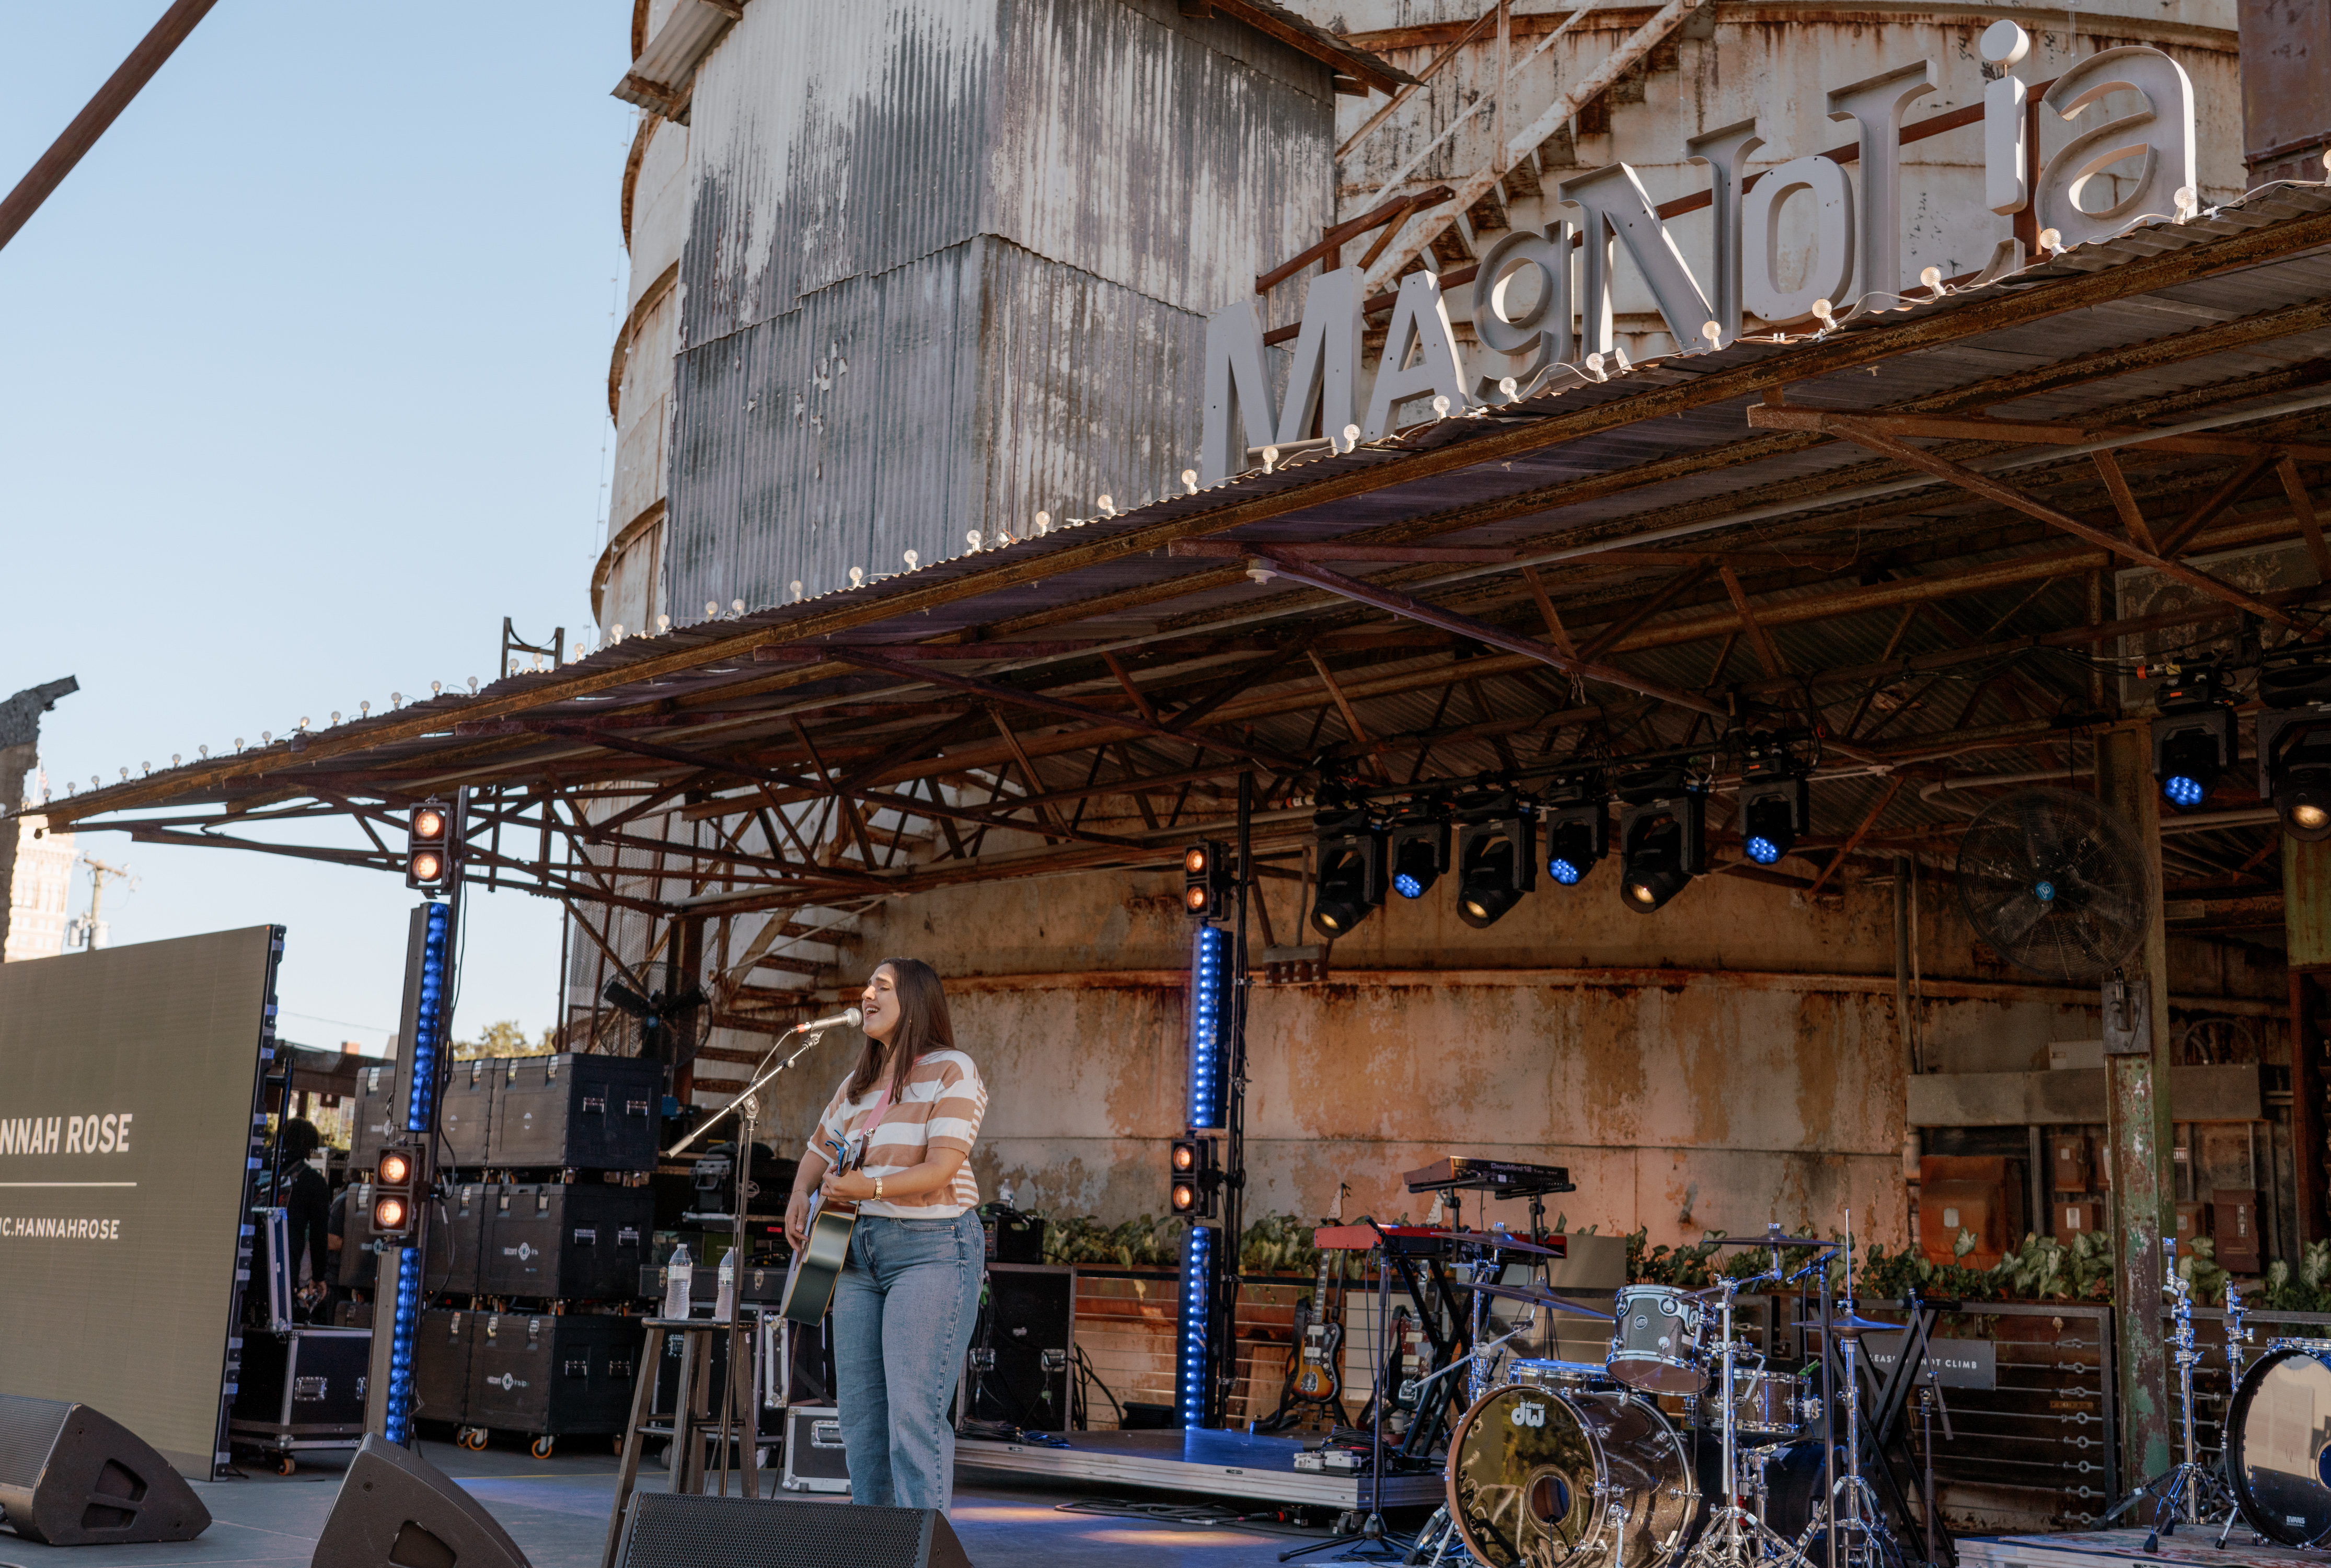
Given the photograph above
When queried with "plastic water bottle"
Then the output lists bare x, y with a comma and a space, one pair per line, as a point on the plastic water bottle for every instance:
677, 1275
727, 1300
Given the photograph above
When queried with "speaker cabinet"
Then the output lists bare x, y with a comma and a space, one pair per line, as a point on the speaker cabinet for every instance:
395, 1508
1031, 1330
69, 1476
668, 1532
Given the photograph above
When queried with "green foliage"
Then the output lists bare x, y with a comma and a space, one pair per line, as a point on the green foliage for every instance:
504, 1038
2309, 1290
2041, 1269
1143, 1243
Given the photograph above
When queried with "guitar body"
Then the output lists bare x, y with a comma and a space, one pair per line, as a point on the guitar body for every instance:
817, 1267
1320, 1380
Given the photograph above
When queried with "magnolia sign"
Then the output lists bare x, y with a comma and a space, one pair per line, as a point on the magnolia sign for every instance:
1541, 297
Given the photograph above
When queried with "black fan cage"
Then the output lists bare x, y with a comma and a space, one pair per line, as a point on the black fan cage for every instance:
2055, 884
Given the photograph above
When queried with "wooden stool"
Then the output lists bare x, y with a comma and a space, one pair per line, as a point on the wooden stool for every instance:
693, 1420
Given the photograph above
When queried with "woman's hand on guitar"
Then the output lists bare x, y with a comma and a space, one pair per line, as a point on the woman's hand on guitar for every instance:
850, 1186
797, 1221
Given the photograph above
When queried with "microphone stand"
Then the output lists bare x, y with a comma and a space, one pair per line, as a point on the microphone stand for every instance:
747, 1109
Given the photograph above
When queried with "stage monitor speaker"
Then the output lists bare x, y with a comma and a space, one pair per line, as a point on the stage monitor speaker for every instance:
397, 1510
684, 1532
69, 1476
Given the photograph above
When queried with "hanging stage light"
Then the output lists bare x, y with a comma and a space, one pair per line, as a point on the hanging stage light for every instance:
1497, 859
1577, 831
1662, 837
2294, 745
1419, 849
1351, 871
1773, 808
2192, 738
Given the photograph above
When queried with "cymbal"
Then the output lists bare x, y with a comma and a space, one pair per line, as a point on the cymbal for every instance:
1497, 1239
1771, 1240
1540, 1298
1846, 1323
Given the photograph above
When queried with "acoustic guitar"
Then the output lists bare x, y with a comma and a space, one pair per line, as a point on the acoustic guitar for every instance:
817, 1265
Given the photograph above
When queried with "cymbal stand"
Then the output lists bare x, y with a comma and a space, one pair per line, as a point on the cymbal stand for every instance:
1850, 1514
2238, 1345
1736, 1536
2181, 1493
1373, 1532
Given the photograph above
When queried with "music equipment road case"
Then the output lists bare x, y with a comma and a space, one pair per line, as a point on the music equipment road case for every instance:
590, 1113
465, 1114
440, 1364
457, 1241
358, 1262
814, 1461
301, 1389
1031, 1331
376, 1106
553, 1375
569, 1242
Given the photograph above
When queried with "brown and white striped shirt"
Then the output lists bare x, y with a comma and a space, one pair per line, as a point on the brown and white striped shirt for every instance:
939, 1107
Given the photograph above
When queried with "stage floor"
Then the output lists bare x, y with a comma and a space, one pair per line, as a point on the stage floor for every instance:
1222, 1463
556, 1510
2191, 1544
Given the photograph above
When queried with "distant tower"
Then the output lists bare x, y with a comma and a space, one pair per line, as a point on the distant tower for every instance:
20, 737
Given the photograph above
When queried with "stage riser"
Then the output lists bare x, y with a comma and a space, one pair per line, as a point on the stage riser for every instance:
1182, 1476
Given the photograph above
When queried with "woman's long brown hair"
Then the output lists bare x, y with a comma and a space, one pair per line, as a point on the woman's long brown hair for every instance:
924, 1027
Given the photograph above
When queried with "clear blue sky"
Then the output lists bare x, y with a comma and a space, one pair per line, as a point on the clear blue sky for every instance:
302, 389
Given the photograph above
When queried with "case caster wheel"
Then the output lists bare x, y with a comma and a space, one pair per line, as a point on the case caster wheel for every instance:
619, 1448
473, 1437
285, 1464
541, 1447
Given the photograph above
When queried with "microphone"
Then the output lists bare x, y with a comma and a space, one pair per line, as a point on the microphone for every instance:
848, 1017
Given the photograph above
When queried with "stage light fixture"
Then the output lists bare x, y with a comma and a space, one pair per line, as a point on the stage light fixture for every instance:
1351, 879
1209, 1021
2294, 760
2193, 737
429, 848
1206, 883
1194, 1182
1193, 1336
395, 1168
1418, 849
1662, 837
1774, 804
1497, 860
392, 1197
1577, 832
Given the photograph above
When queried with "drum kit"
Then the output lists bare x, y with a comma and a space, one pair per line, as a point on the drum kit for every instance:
1683, 1449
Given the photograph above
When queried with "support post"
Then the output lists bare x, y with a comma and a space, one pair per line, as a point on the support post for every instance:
2306, 931
2138, 1133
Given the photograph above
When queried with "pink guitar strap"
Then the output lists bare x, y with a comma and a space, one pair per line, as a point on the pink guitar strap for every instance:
874, 1116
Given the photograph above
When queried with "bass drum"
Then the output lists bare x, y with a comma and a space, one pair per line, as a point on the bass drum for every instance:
1530, 1470
2278, 1444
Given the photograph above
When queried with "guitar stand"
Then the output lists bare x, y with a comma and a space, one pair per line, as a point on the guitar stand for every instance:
1372, 1536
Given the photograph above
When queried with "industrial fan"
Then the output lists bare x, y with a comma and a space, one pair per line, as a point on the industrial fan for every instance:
666, 1026
2054, 884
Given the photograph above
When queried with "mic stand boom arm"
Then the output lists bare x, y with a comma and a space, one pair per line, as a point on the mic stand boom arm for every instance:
746, 1093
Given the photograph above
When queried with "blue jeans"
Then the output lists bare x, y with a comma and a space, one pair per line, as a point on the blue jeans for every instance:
903, 1313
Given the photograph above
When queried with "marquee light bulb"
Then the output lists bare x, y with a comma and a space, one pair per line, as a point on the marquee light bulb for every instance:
914, 561
664, 624
1932, 277
857, 576
795, 585
711, 609
1189, 480
737, 607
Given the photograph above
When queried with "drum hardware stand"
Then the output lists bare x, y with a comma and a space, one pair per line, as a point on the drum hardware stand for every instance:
1930, 1399
1859, 1521
1737, 1537
2238, 1344
2183, 1492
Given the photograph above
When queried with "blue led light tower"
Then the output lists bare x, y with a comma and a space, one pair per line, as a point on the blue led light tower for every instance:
1209, 968
1193, 1366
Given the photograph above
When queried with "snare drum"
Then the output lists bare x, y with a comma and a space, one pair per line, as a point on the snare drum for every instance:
1656, 1343
1556, 1376
1764, 1404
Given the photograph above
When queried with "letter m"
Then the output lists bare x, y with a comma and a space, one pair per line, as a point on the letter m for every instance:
1324, 382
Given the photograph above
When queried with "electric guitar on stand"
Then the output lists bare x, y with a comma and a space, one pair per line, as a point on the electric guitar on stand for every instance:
1319, 1376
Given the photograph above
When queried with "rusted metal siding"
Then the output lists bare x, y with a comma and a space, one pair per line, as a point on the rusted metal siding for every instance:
947, 267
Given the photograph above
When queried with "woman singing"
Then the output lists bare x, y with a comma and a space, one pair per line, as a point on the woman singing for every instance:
904, 1308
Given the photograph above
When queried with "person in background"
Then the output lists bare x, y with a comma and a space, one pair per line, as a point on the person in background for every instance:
308, 1197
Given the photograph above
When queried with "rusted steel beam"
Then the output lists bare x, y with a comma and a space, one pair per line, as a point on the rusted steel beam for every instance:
996, 691
49, 169
2302, 507
2117, 486
2217, 501
2034, 433
1352, 228
1306, 551
1853, 429
1394, 602
1853, 840
2138, 1120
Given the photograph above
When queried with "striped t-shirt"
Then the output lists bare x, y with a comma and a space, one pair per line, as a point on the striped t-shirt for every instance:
939, 1107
